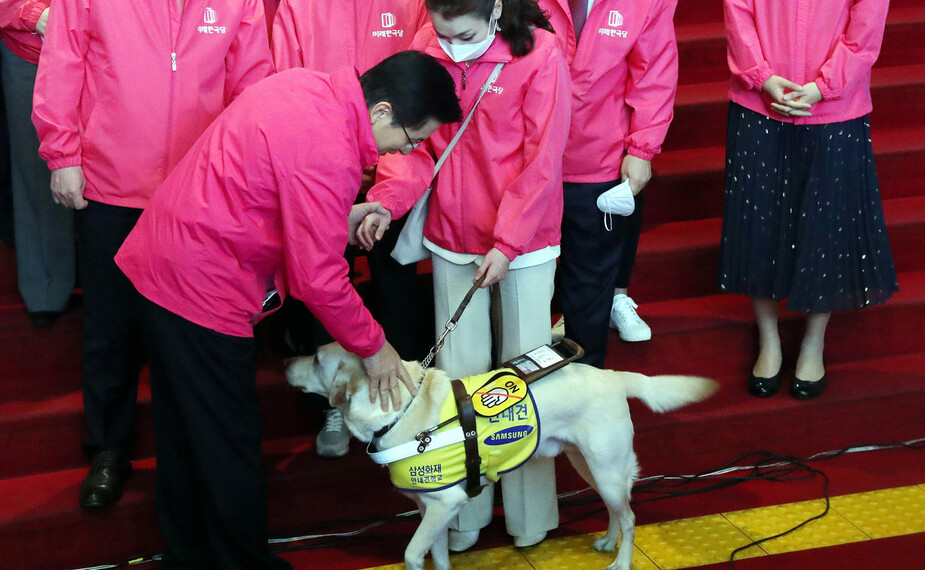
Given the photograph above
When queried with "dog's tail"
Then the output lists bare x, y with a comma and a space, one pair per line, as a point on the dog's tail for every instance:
666, 393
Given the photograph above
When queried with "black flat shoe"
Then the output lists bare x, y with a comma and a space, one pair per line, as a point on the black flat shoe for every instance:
44, 318
102, 487
805, 390
763, 387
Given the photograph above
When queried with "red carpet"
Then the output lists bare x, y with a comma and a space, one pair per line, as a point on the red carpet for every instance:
876, 361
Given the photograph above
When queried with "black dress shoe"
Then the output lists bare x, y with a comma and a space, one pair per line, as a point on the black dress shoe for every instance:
102, 486
44, 318
805, 390
763, 387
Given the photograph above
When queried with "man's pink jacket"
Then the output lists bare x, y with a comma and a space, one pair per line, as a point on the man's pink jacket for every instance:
624, 79
327, 36
502, 184
261, 202
833, 43
17, 27
124, 88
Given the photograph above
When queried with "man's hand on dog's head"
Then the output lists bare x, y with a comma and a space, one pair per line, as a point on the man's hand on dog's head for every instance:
386, 370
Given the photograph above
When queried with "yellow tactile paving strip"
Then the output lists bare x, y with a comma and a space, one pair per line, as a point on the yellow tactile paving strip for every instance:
708, 540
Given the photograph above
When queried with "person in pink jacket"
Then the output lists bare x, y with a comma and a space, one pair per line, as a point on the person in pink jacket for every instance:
261, 206
802, 217
495, 210
329, 36
123, 89
623, 59
44, 233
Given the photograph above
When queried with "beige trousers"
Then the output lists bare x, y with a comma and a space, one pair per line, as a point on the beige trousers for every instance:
529, 493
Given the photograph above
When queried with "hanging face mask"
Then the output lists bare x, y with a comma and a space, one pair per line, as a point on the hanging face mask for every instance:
618, 200
466, 52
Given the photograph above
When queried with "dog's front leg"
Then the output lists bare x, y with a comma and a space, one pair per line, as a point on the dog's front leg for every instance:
438, 509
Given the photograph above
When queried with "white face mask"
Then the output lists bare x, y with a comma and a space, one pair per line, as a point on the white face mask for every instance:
466, 52
618, 200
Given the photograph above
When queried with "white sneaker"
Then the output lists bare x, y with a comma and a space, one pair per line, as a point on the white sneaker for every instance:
623, 317
558, 330
334, 439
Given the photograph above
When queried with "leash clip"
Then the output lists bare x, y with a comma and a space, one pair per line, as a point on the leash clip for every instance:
425, 439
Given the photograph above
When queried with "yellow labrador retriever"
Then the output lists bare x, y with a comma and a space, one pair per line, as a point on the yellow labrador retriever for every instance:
582, 409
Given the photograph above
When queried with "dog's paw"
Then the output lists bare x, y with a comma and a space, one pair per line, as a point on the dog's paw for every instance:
604, 544
617, 566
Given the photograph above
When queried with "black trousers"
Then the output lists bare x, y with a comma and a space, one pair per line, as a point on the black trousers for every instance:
398, 303
593, 263
211, 485
395, 299
111, 334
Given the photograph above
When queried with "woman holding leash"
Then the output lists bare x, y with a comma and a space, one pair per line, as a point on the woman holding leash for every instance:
803, 219
495, 210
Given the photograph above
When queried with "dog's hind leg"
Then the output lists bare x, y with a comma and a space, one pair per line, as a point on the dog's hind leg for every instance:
437, 509
614, 482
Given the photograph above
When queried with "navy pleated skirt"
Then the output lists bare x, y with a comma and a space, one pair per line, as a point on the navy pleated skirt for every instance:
802, 215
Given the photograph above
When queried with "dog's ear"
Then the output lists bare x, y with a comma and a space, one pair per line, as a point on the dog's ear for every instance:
347, 380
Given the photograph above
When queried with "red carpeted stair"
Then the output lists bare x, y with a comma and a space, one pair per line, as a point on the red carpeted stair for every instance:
875, 357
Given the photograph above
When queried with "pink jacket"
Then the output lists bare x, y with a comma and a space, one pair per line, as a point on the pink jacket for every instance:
326, 35
624, 80
502, 185
833, 43
260, 202
124, 88
17, 27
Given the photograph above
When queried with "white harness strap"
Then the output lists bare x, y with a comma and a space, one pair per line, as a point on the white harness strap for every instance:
410, 448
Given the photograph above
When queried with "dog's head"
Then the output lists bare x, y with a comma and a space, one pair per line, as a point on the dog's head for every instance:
340, 376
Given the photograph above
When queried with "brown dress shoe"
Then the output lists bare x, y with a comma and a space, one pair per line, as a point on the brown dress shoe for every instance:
102, 486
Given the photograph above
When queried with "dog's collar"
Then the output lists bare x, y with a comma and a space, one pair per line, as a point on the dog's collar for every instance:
385, 429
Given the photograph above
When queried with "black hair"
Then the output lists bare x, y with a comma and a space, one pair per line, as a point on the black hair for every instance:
417, 87
518, 18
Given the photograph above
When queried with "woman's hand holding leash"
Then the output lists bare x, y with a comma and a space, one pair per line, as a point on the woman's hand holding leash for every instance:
494, 266
385, 370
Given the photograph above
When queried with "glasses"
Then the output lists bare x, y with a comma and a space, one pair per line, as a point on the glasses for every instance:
411, 143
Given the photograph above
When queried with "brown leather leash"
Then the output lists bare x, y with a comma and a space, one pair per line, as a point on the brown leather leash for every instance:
450, 325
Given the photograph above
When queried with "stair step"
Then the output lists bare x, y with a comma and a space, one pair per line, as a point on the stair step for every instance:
688, 184
715, 335
305, 490
680, 259
702, 45
27, 426
856, 396
712, 336
700, 110
675, 261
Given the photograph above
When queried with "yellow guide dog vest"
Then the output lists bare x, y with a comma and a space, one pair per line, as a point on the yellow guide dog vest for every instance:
508, 433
